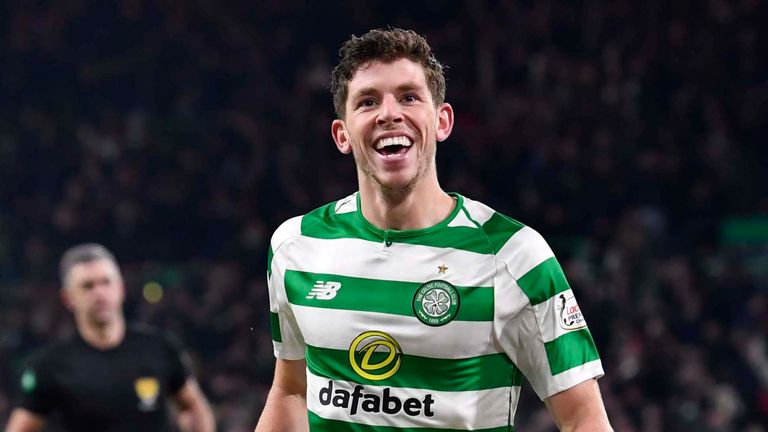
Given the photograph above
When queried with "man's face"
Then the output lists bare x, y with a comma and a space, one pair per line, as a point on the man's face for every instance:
94, 292
391, 124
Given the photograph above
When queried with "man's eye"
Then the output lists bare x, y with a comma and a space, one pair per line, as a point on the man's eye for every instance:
367, 103
410, 98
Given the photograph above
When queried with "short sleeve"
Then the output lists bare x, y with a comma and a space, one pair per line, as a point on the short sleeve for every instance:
287, 340
540, 324
37, 389
179, 363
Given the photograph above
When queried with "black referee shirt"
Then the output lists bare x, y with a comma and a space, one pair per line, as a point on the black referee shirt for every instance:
124, 388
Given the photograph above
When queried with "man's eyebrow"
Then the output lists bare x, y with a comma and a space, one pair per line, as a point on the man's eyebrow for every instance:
97, 279
367, 91
409, 86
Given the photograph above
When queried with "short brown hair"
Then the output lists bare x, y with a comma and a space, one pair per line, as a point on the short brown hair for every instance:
387, 46
83, 253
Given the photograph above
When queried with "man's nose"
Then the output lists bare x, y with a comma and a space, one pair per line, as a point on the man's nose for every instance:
102, 289
390, 111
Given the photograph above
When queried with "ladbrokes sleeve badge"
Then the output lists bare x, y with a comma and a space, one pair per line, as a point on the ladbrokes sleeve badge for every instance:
570, 316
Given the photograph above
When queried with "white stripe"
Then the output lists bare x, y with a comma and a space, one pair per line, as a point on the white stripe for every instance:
372, 260
288, 229
571, 377
467, 410
336, 329
346, 205
508, 298
524, 251
478, 211
461, 220
515, 397
548, 315
292, 346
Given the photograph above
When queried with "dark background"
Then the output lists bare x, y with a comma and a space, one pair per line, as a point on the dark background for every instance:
180, 134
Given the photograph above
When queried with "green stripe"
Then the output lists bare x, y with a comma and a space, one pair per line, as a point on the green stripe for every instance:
543, 281
323, 223
274, 323
571, 350
499, 229
474, 373
462, 238
270, 254
319, 424
374, 295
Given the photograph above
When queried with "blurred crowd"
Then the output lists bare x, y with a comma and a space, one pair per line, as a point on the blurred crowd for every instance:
180, 134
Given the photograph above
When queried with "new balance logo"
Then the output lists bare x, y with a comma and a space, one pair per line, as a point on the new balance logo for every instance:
324, 290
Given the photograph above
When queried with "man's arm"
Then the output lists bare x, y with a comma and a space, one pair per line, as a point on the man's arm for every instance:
195, 413
23, 420
579, 409
286, 407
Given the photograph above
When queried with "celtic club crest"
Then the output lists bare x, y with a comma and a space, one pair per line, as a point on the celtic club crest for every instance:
436, 303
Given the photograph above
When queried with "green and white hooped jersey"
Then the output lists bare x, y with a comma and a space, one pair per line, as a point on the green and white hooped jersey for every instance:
423, 330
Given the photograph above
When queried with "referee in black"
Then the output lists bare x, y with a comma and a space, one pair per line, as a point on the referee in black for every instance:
107, 377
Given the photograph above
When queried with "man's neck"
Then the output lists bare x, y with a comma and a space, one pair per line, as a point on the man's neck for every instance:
423, 206
105, 336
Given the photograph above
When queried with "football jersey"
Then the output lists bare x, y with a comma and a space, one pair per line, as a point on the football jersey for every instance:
125, 388
427, 329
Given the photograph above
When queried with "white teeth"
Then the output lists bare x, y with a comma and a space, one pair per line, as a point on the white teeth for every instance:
399, 140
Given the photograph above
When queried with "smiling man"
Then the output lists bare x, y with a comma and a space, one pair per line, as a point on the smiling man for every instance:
404, 307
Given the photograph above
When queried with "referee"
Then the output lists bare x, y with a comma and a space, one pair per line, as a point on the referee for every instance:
107, 377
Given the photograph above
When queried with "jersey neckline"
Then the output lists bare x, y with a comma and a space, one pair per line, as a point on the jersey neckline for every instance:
394, 234
81, 340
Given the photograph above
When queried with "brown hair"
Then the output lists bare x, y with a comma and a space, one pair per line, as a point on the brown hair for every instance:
387, 46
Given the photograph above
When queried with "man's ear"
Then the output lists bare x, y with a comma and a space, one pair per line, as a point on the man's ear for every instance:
444, 124
340, 136
121, 285
66, 298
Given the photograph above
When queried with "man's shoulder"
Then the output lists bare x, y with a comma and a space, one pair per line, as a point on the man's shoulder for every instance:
54, 352
144, 331
143, 334
510, 239
314, 221
497, 226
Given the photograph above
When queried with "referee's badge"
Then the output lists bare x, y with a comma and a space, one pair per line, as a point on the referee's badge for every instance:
148, 390
436, 303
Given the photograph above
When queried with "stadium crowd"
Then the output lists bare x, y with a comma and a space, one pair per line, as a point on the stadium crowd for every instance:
180, 134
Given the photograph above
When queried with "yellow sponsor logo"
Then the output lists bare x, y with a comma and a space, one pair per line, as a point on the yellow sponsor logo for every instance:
147, 389
368, 366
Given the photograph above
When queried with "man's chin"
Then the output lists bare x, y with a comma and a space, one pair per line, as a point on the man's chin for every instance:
102, 319
402, 180
396, 186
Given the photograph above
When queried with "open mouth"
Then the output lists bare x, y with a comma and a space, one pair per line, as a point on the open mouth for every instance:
393, 145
